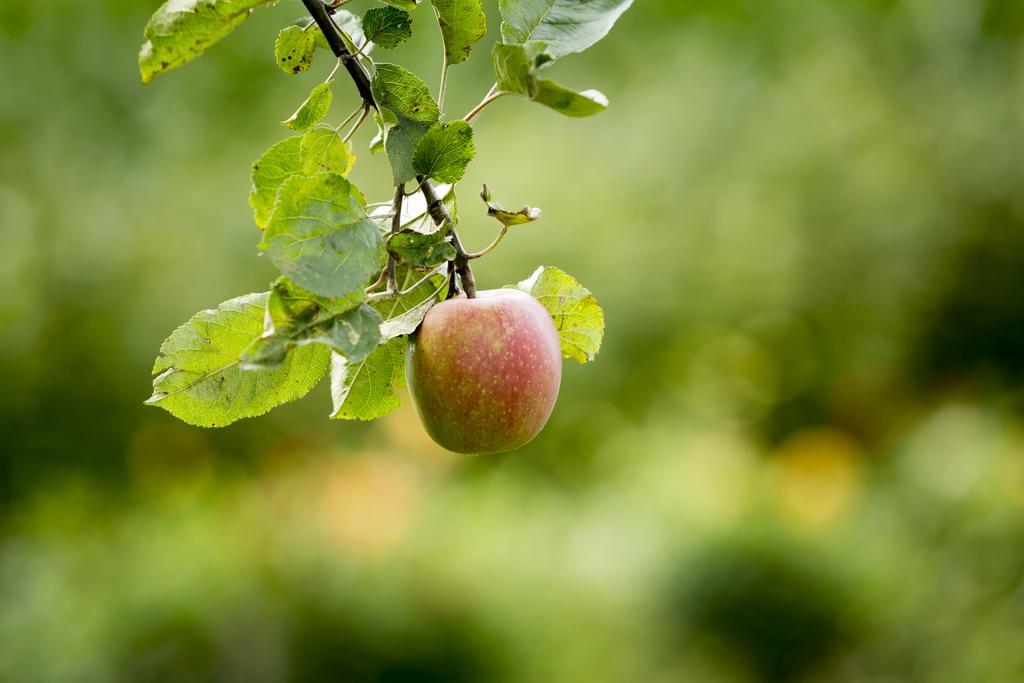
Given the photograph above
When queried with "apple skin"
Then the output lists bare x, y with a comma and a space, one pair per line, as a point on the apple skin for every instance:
484, 373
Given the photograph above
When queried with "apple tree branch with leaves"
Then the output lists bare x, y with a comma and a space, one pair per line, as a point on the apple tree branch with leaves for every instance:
381, 295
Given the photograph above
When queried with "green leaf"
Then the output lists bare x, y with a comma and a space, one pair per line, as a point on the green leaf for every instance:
294, 49
322, 150
516, 70
319, 150
444, 152
181, 30
387, 26
368, 389
567, 26
527, 214
407, 110
320, 236
463, 23
198, 378
424, 251
296, 317
313, 110
577, 315
276, 165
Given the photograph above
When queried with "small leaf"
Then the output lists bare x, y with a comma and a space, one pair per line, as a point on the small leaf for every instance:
198, 378
313, 110
294, 49
181, 30
409, 5
322, 150
320, 236
296, 318
403, 315
463, 23
387, 26
368, 389
577, 315
407, 110
527, 214
278, 164
566, 25
424, 251
444, 152
516, 70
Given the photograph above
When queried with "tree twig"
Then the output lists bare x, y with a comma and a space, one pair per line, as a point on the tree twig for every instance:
439, 212
318, 11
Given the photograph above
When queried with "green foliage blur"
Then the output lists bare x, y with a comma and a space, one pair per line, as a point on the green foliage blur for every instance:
798, 457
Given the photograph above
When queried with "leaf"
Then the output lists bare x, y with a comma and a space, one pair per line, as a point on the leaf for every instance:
319, 150
403, 315
322, 150
368, 389
407, 110
463, 23
198, 378
313, 110
296, 317
444, 152
181, 30
387, 26
516, 70
294, 49
577, 315
278, 164
527, 214
424, 251
320, 236
567, 26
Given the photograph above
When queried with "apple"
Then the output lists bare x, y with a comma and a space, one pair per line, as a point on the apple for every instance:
484, 372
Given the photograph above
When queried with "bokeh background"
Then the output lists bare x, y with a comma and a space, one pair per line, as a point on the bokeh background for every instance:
798, 457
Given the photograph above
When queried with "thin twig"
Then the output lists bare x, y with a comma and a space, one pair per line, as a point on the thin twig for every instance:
380, 280
439, 212
396, 227
355, 113
489, 248
358, 123
491, 98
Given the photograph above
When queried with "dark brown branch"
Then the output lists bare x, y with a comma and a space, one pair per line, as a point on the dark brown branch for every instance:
439, 213
318, 11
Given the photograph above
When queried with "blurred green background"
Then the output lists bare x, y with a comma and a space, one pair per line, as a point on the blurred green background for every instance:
798, 457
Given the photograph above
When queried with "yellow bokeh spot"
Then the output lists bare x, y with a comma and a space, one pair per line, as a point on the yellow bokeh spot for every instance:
816, 478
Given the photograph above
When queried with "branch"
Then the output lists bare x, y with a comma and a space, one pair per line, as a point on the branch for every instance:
318, 11
439, 212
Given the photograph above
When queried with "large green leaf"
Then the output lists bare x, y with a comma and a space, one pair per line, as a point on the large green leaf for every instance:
567, 26
444, 152
320, 236
313, 110
516, 69
319, 150
181, 30
387, 26
577, 315
407, 111
198, 378
368, 389
463, 23
294, 49
296, 317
